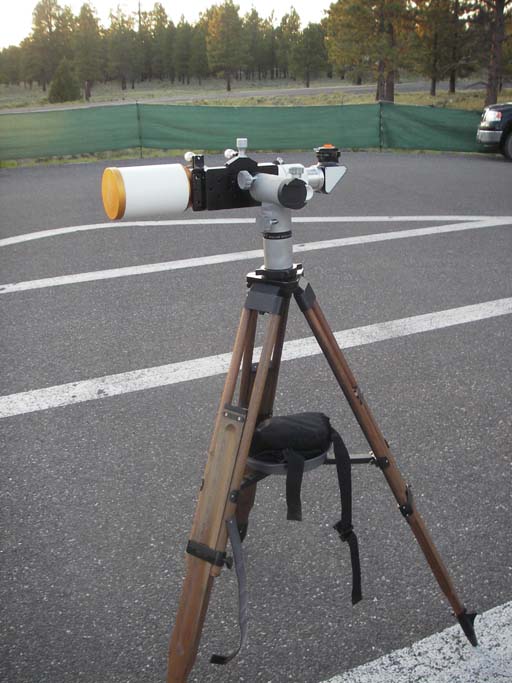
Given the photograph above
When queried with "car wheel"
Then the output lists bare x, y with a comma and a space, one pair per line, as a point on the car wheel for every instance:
507, 147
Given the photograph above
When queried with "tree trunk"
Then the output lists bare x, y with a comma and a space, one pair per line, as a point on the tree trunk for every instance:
453, 81
307, 78
123, 82
434, 69
496, 53
228, 81
389, 94
87, 90
380, 94
455, 47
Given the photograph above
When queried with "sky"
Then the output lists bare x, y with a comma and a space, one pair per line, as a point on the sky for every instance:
16, 15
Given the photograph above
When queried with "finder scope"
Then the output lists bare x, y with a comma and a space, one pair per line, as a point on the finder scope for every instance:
135, 192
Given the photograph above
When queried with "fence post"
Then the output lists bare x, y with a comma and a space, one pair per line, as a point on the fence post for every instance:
381, 130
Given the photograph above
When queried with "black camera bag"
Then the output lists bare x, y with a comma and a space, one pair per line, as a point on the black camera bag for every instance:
292, 441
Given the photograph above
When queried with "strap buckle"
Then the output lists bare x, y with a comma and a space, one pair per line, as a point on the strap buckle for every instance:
344, 532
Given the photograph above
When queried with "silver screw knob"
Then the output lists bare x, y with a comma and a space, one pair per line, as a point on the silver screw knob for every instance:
245, 180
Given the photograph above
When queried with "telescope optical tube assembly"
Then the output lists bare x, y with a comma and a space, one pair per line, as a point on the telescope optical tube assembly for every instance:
143, 191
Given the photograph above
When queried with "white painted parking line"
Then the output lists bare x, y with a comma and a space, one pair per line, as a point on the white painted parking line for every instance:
215, 259
185, 371
447, 657
196, 222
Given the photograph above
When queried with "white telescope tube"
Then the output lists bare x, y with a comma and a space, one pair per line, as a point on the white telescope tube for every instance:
142, 191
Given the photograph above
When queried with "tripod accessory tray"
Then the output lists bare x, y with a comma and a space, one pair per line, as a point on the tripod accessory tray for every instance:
282, 467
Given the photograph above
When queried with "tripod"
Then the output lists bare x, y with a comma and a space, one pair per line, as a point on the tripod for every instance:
221, 499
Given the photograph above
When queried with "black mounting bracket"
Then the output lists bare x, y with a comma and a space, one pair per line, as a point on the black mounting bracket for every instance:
204, 552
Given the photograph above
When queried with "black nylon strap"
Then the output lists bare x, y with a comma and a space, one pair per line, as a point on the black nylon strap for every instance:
236, 546
203, 552
344, 526
294, 474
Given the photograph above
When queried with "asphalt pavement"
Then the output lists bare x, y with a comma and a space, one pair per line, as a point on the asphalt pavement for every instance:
98, 495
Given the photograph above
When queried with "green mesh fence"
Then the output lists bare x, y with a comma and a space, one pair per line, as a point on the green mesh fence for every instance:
70, 131
98, 129
267, 128
411, 127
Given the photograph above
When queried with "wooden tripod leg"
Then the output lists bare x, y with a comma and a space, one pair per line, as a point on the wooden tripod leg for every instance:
385, 459
248, 495
267, 406
247, 375
226, 463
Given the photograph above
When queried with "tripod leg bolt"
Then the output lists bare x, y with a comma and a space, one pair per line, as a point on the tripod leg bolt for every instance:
407, 508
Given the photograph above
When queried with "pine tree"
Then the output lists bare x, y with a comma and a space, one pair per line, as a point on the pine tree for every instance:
10, 65
45, 42
498, 37
182, 50
370, 34
88, 49
159, 28
198, 64
269, 58
430, 53
309, 55
169, 51
145, 44
224, 41
252, 42
29, 64
123, 53
64, 86
287, 36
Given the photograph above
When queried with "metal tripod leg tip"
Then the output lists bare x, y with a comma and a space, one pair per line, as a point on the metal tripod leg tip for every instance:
467, 623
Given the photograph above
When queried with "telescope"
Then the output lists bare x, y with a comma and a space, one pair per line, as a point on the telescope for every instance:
227, 490
138, 192
143, 191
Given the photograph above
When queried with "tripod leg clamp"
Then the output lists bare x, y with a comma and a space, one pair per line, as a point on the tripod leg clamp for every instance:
305, 297
204, 552
408, 507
